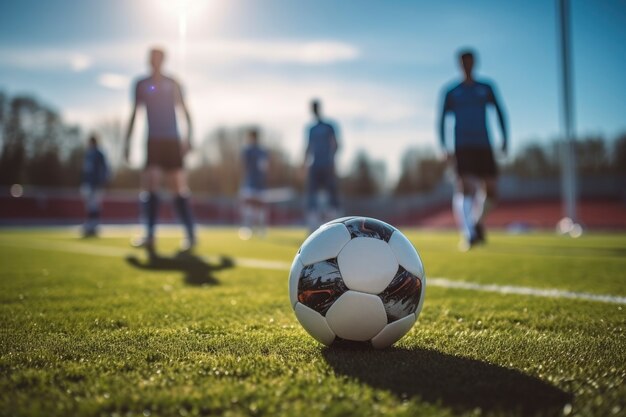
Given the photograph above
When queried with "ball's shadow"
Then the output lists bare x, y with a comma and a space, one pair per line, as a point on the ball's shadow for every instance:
196, 270
459, 383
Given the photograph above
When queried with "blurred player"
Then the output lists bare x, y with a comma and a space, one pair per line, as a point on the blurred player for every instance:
162, 96
475, 165
253, 207
320, 158
94, 177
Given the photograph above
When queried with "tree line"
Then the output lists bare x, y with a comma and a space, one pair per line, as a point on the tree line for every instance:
38, 148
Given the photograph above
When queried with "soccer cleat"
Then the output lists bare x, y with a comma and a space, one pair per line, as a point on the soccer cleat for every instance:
465, 245
245, 233
187, 246
87, 233
479, 233
142, 243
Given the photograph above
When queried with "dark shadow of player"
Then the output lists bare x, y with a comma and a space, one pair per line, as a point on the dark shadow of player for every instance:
197, 270
462, 384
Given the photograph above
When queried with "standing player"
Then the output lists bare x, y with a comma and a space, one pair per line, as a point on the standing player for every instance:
94, 176
320, 158
161, 96
475, 165
253, 207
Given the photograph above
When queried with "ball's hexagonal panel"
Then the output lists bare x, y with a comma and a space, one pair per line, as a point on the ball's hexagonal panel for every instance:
402, 295
367, 227
325, 243
393, 332
315, 324
357, 316
294, 277
367, 264
406, 254
320, 284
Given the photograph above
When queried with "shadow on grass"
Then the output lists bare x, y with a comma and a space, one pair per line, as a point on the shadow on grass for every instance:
459, 383
197, 270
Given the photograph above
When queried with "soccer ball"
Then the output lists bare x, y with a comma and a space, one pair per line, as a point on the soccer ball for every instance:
357, 279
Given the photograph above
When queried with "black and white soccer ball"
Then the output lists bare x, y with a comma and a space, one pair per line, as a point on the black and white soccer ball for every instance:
357, 279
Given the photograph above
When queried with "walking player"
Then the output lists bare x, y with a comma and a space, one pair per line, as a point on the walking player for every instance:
475, 165
94, 177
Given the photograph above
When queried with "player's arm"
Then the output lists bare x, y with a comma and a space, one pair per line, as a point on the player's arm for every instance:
334, 142
181, 102
106, 172
442, 124
307, 150
501, 120
131, 124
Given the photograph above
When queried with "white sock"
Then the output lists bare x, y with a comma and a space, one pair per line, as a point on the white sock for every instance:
261, 219
462, 207
479, 206
312, 220
246, 216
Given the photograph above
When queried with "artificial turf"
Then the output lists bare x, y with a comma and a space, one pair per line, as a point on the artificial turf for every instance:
87, 330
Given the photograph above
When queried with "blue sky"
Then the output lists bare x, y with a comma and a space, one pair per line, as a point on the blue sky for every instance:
378, 66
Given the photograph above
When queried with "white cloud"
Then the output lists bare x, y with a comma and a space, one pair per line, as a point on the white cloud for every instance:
45, 59
80, 62
125, 55
281, 51
114, 81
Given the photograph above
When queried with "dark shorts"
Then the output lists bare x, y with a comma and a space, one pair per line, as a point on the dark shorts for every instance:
478, 162
322, 179
165, 154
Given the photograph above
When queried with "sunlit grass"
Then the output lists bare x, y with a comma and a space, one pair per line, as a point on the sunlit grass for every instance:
89, 333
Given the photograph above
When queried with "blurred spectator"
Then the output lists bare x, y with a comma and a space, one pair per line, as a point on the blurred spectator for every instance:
95, 175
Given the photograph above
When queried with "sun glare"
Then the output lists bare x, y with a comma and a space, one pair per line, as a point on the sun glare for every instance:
182, 14
184, 10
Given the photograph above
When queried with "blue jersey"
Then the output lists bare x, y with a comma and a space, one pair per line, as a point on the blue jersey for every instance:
95, 172
255, 164
468, 102
160, 96
322, 145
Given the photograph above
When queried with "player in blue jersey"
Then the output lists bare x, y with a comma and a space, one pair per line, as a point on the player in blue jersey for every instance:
94, 177
319, 156
162, 96
255, 163
476, 168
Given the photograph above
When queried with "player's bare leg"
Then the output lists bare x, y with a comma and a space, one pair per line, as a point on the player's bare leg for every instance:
149, 197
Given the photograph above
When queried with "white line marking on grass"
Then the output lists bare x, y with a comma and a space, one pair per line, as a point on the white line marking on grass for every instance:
262, 264
535, 292
98, 250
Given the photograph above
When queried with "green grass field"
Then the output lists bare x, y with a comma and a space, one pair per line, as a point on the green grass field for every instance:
85, 330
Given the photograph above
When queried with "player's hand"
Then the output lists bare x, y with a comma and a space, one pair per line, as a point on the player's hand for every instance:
302, 171
185, 147
126, 154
